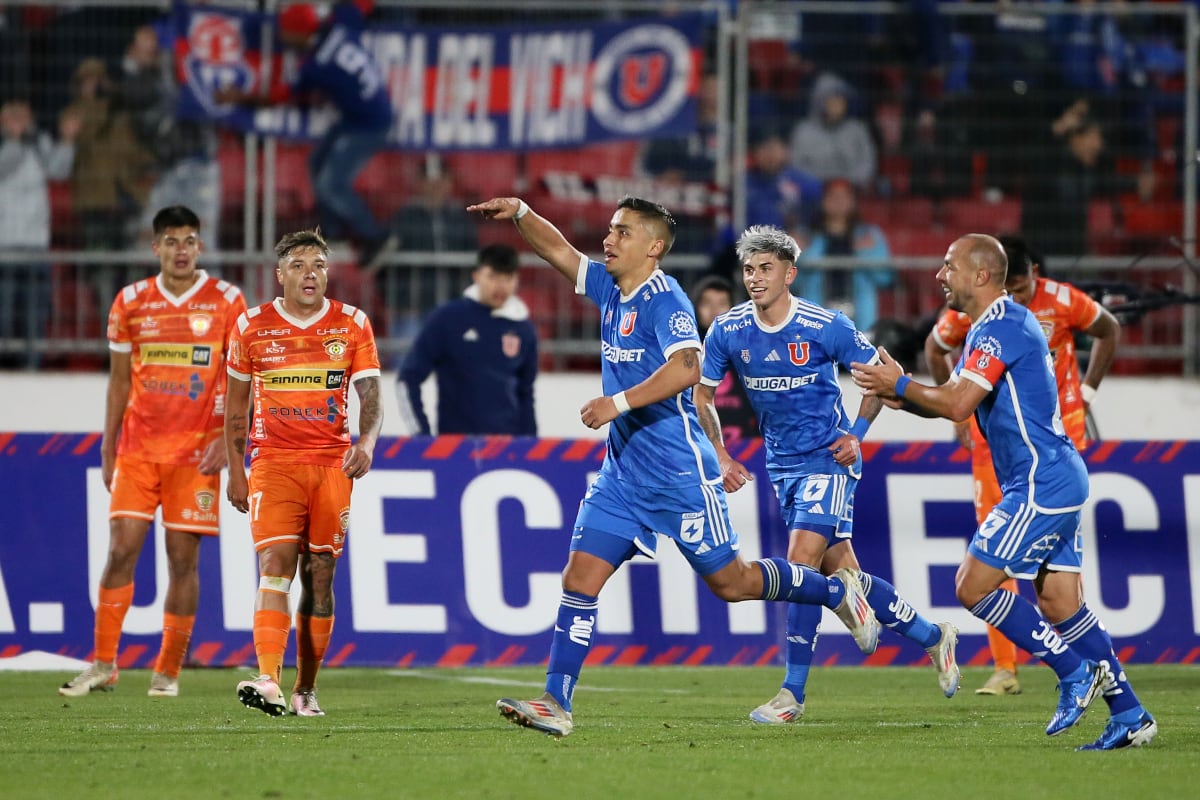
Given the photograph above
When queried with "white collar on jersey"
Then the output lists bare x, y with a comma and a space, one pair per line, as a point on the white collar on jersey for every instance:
514, 308
300, 323
987, 311
201, 279
793, 304
625, 298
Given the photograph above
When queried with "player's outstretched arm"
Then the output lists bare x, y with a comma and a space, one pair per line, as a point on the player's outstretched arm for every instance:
545, 239
733, 473
237, 424
357, 461
681, 372
120, 377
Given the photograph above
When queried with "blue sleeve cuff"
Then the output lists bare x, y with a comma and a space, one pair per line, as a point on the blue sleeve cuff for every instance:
902, 384
859, 429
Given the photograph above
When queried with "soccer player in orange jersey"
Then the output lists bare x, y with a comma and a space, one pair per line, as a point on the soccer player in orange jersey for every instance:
1061, 309
298, 355
162, 441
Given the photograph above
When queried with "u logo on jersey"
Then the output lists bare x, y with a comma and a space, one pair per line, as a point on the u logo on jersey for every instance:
798, 353
628, 319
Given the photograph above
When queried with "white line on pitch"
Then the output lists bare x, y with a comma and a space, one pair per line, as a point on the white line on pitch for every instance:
439, 676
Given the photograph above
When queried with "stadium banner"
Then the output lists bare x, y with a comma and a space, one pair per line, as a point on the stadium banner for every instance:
456, 545
466, 88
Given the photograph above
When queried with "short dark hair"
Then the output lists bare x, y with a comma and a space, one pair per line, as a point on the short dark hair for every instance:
710, 282
298, 239
175, 217
500, 257
655, 214
1019, 259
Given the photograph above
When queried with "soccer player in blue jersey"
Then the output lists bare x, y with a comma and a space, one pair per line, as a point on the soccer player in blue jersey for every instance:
660, 473
786, 351
1005, 377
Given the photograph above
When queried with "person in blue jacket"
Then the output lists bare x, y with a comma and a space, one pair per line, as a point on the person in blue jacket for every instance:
337, 65
840, 232
483, 349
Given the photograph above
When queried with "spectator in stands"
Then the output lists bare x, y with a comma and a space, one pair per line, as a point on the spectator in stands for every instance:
434, 220
777, 193
335, 63
712, 296
184, 150
840, 232
28, 159
1054, 211
483, 350
112, 172
829, 143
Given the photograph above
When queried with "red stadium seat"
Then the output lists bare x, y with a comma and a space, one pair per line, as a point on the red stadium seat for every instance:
970, 215
482, 175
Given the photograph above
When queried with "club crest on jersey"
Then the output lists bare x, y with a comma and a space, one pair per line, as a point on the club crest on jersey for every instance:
798, 353
745, 356
344, 519
205, 500
682, 324
1047, 327
628, 320
335, 348
200, 323
510, 344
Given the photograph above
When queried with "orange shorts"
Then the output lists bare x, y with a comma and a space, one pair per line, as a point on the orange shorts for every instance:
987, 487
188, 499
302, 503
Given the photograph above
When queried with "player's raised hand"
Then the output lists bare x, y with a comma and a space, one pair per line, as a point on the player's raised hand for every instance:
498, 207
877, 379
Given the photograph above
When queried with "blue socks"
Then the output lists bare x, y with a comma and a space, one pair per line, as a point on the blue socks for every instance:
894, 612
802, 624
572, 639
1020, 622
1087, 636
794, 583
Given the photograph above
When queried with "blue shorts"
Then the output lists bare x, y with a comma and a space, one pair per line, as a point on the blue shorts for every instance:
617, 520
1019, 540
822, 504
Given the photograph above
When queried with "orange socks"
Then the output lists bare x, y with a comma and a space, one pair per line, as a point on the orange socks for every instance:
1004, 652
312, 640
110, 616
270, 640
177, 632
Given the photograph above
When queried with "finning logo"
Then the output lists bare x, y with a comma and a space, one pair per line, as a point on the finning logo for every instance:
798, 353
628, 320
581, 630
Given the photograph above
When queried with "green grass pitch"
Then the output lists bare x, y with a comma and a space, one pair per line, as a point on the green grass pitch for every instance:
640, 733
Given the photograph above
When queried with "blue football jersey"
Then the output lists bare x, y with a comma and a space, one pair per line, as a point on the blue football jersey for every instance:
1005, 352
661, 444
790, 372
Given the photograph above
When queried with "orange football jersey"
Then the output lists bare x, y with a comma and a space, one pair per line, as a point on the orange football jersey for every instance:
1061, 309
301, 373
176, 344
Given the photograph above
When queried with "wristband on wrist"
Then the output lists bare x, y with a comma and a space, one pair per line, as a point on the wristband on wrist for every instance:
522, 210
621, 403
1088, 393
902, 384
859, 428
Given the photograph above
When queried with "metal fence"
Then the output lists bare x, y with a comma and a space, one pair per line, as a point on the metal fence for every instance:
1070, 124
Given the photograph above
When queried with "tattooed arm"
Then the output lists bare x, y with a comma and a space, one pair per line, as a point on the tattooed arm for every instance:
680, 373
370, 419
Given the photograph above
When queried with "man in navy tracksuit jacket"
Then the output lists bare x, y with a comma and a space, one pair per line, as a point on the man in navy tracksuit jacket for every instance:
483, 349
